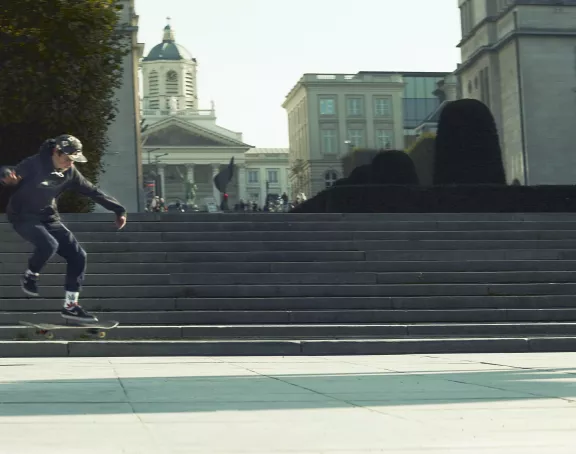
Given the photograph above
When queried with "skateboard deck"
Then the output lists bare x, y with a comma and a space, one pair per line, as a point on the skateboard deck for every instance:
98, 329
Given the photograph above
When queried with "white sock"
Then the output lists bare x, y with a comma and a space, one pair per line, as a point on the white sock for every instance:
30, 273
71, 299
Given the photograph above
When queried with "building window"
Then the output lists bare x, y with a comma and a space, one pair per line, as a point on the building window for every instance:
153, 86
382, 107
384, 139
354, 107
466, 18
253, 176
330, 177
327, 106
356, 137
272, 176
485, 86
329, 141
190, 95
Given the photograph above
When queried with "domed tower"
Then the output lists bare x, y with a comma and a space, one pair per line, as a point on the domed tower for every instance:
169, 76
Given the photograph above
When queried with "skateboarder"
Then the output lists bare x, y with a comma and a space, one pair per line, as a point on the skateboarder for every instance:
39, 180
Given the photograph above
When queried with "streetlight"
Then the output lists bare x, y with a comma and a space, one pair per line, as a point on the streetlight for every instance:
149, 152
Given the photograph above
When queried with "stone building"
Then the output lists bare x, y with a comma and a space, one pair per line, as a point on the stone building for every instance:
518, 58
183, 144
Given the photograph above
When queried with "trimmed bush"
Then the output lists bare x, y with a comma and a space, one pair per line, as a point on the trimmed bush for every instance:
393, 167
467, 146
444, 199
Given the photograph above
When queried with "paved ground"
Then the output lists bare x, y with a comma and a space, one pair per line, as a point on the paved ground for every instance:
492, 403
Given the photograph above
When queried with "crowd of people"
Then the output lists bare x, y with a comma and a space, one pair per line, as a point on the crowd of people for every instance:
273, 204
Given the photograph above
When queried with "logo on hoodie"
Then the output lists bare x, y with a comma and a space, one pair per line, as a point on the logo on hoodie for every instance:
52, 182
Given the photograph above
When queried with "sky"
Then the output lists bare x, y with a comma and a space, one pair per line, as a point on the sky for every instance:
251, 53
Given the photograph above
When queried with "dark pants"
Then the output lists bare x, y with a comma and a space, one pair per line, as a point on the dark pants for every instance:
53, 238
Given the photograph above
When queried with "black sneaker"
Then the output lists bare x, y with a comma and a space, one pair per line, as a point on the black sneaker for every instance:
77, 314
29, 284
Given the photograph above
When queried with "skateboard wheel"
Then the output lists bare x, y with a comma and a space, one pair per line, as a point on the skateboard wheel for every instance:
101, 334
49, 335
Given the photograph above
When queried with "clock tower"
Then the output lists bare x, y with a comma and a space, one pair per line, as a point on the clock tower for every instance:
169, 76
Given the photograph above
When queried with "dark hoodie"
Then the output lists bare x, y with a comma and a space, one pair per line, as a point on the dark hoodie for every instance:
34, 198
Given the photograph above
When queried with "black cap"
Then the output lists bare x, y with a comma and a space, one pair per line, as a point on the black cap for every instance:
71, 147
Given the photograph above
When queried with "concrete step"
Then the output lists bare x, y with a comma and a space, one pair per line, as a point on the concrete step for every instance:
320, 246
313, 331
275, 347
334, 217
316, 226
216, 257
527, 302
312, 316
96, 279
298, 290
288, 235
372, 278
310, 256
196, 279
479, 266
302, 217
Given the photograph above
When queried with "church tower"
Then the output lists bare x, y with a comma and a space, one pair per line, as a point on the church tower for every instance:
169, 76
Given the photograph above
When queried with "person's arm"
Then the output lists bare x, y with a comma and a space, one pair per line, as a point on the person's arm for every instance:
11, 176
83, 186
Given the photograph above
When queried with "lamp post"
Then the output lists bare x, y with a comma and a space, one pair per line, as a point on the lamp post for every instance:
350, 145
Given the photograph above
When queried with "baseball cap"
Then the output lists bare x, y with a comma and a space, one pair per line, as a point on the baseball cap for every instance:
71, 147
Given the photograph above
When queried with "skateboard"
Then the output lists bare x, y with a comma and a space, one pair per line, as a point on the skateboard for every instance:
97, 329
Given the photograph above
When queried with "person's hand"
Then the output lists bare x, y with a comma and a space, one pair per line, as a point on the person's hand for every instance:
120, 222
11, 179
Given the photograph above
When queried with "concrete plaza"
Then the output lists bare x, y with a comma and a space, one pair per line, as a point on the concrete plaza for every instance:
482, 403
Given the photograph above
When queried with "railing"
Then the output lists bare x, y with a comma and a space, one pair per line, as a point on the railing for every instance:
352, 77
178, 113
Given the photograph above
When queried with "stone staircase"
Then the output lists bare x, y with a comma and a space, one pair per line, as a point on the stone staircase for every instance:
306, 284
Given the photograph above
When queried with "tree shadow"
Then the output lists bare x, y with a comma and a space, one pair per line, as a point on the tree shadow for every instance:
194, 394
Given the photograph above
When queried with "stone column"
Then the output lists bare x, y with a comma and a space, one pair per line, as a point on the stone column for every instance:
242, 181
215, 170
189, 181
190, 173
263, 175
162, 177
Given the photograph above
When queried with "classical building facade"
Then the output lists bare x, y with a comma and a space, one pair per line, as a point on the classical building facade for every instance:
328, 114
518, 58
183, 145
122, 164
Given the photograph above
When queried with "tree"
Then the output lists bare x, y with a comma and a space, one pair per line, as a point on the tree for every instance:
60, 65
467, 145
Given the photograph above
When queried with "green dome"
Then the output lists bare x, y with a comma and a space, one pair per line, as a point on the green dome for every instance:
168, 49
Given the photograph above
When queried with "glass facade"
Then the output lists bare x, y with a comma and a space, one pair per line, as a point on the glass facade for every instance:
419, 99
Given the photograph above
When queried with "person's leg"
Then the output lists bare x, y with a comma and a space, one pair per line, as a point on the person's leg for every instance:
45, 246
75, 257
